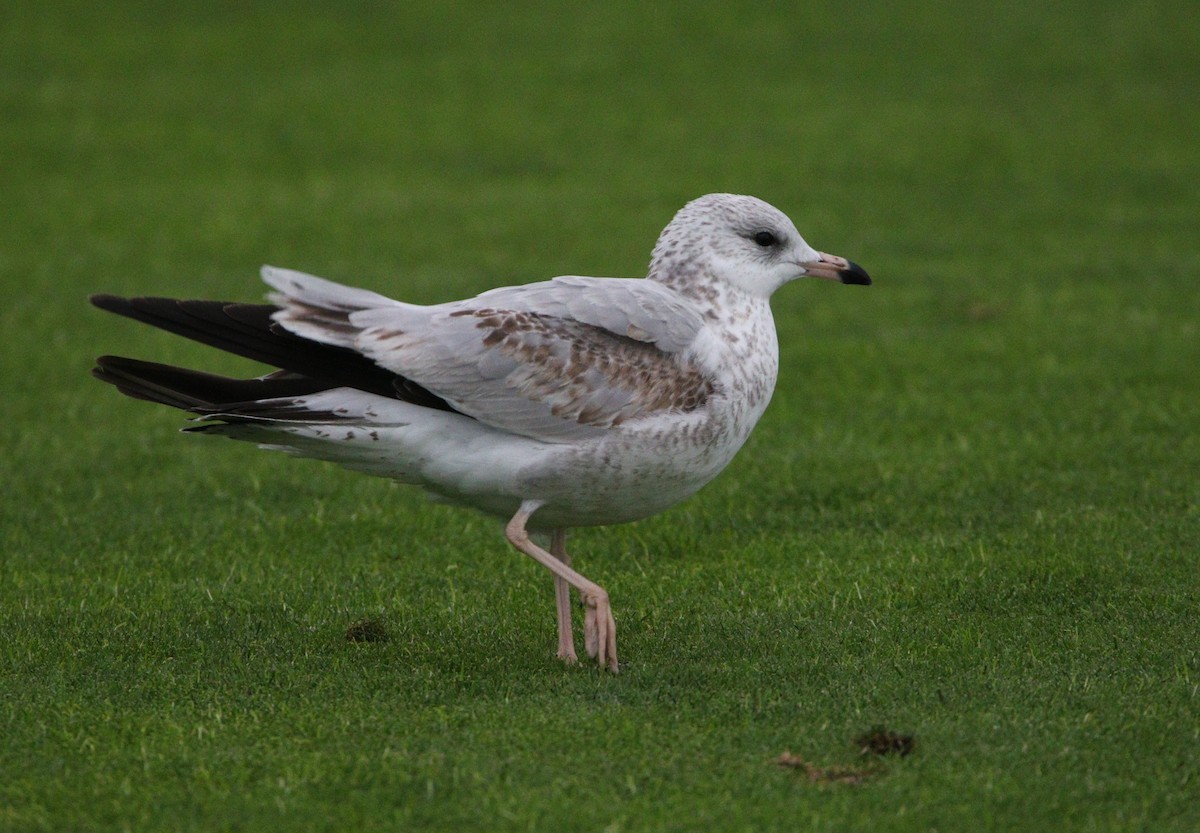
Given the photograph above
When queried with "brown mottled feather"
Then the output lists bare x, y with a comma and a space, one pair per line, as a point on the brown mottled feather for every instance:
568, 363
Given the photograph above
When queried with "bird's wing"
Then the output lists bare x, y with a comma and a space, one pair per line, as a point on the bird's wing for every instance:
631, 307
555, 361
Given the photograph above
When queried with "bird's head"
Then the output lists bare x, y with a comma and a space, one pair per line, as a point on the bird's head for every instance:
743, 242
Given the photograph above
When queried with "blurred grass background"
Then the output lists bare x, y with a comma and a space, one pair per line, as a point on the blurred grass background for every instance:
971, 513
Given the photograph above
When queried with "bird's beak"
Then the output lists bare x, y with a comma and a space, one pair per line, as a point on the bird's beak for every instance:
834, 268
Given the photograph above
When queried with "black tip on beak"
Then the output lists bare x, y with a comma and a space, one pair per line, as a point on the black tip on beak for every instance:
855, 274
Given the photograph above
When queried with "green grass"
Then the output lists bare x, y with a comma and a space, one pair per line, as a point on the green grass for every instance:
971, 514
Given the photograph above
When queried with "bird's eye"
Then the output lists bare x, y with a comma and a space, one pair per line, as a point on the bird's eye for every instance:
765, 239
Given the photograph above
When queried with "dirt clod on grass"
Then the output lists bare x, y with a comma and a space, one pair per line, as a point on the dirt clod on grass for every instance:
823, 775
883, 741
367, 630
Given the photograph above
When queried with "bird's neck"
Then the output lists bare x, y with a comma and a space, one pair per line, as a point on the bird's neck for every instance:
738, 343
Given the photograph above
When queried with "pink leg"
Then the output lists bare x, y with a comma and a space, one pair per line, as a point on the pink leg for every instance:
599, 627
562, 600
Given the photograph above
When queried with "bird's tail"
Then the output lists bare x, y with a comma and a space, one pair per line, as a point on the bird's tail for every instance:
284, 412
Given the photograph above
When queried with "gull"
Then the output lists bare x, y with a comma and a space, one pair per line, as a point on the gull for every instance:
578, 401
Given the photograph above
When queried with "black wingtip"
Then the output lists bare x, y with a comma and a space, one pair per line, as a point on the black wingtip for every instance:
105, 301
247, 330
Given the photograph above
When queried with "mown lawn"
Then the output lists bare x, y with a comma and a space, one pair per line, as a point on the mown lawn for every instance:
971, 515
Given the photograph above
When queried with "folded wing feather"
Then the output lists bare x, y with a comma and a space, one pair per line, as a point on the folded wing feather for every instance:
583, 362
